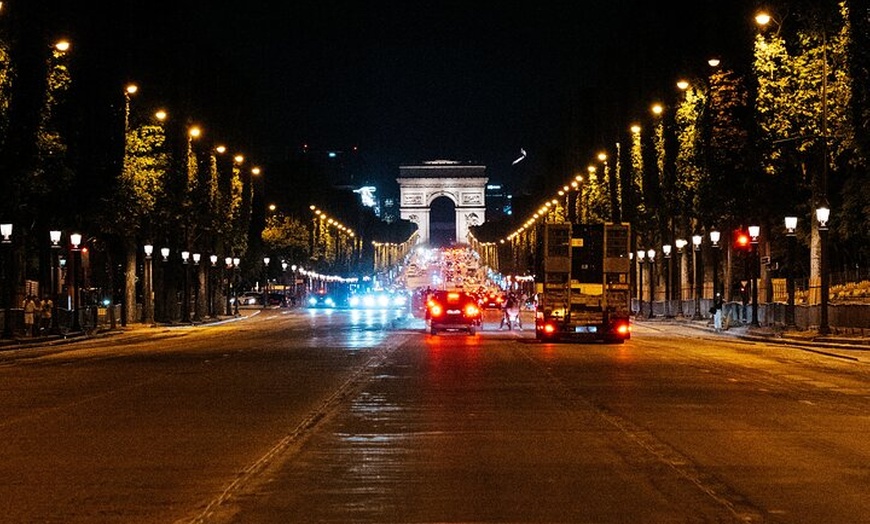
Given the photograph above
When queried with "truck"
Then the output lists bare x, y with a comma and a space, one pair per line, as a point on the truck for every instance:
582, 282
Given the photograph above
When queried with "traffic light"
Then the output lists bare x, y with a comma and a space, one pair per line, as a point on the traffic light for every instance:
741, 240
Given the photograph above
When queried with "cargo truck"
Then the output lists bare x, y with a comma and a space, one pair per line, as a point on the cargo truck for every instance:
582, 282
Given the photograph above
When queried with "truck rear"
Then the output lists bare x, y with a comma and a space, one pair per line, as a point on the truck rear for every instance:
583, 282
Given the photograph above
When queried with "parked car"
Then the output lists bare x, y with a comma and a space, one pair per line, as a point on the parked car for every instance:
453, 311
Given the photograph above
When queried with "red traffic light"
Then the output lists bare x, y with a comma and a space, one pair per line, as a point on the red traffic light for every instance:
741, 239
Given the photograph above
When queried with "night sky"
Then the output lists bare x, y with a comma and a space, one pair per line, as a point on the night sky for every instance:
413, 81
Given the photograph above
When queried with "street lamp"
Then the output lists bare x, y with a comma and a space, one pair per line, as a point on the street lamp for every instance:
295, 289
714, 239
696, 255
791, 236
651, 256
754, 231
265, 281
8, 286
640, 256
823, 213
54, 235
212, 292
148, 293
75, 240
666, 250
185, 302
228, 268
680, 243
236, 261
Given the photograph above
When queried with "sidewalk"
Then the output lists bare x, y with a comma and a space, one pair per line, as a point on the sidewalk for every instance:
55, 339
773, 335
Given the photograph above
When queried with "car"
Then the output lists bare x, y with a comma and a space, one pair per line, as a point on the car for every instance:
452, 311
492, 300
321, 299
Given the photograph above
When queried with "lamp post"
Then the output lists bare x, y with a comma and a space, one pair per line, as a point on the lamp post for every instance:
696, 255
651, 256
228, 274
754, 231
185, 294
54, 235
295, 289
790, 228
680, 243
198, 300
165, 310
75, 260
148, 293
666, 250
8, 287
266, 282
212, 291
640, 256
714, 239
236, 286
823, 213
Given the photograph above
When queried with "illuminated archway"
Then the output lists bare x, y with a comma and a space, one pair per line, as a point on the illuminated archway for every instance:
463, 184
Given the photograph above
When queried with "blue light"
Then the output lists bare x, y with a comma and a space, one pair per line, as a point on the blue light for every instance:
333, 154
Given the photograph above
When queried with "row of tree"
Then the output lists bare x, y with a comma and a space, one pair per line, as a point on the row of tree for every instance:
752, 143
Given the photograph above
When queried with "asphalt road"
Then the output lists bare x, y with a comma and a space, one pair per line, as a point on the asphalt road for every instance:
318, 416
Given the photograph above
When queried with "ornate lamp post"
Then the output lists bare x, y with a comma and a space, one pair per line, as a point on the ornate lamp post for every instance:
198, 301
696, 255
75, 261
823, 213
666, 250
714, 239
228, 268
651, 256
54, 235
641, 254
185, 301
754, 231
165, 310
790, 228
148, 292
8, 285
236, 261
212, 309
266, 282
295, 289
680, 243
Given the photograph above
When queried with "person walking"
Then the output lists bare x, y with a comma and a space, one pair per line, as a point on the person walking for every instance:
46, 307
29, 315
717, 313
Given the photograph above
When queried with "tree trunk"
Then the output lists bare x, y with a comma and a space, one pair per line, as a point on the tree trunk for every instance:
130, 281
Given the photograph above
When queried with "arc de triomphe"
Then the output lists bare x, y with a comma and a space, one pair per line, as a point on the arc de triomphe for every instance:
464, 184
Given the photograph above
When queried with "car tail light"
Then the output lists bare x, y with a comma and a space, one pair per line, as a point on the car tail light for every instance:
549, 328
623, 328
471, 310
435, 309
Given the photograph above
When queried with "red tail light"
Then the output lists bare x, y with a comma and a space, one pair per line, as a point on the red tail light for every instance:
435, 309
549, 328
471, 310
623, 329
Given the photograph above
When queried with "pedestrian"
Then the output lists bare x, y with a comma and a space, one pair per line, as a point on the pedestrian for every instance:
46, 306
29, 315
717, 313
